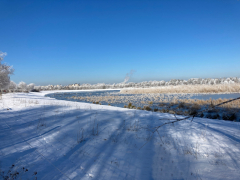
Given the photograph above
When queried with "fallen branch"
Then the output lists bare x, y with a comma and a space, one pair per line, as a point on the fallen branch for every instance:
188, 117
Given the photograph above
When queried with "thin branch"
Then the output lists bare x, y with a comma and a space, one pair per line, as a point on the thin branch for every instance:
191, 116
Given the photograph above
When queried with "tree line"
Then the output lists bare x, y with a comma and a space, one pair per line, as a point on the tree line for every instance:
7, 85
22, 86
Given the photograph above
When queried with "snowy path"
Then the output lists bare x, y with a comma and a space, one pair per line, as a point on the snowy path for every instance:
56, 139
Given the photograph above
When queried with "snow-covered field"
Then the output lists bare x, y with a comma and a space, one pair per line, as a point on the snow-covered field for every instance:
44, 138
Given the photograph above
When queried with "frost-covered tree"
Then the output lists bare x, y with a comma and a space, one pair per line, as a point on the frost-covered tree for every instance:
49, 87
5, 71
211, 82
30, 86
60, 87
43, 87
22, 85
37, 88
12, 85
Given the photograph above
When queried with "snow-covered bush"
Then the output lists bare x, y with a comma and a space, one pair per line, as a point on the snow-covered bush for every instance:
30, 86
37, 88
12, 86
22, 85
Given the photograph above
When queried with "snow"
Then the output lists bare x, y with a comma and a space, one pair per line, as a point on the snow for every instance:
56, 139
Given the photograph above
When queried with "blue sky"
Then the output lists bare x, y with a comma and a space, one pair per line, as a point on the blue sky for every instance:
64, 42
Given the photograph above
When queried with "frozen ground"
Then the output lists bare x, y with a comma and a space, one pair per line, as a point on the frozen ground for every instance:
44, 138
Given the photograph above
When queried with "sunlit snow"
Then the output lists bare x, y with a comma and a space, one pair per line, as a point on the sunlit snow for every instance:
57, 139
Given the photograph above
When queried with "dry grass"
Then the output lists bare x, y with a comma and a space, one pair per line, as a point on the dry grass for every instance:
220, 88
198, 103
210, 102
157, 98
229, 111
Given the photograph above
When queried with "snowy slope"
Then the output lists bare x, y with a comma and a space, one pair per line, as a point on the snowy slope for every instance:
44, 138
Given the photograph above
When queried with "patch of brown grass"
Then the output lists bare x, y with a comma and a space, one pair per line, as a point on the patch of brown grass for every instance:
211, 102
220, 88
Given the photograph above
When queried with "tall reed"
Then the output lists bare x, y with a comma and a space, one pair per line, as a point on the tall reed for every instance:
220, 88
